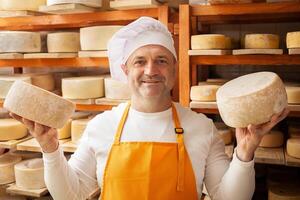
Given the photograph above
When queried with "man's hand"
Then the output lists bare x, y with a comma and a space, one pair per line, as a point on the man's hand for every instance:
249, 138
46, 136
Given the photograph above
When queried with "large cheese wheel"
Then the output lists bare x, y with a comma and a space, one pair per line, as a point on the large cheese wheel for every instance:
210, 41
293, 94
204, 92
272, 139
78, 127
38, 105
30, 174
261, 41
224, 132
21, 4
85, 87
11, 129
96, 37
45, 81
251, 99
19, 41
294, 131
7, 81
91, 3
7, 173
65, 132
293, 40
284, 192
293, 147
116, 89
63, 42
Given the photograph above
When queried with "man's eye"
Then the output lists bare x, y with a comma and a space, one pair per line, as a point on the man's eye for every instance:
139, 62
162, 61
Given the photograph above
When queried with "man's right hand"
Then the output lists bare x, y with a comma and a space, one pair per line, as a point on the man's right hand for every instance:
46, 136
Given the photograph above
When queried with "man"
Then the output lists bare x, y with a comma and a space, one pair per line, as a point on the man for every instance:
149, 148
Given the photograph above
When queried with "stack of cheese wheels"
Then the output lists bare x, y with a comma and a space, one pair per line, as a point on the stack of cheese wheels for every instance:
293, 40
272, 139
91, 3
63, 42
294, 131
21, 5
7, 163
204, 92
116, 89
251, 99
30, 174
293, 93
90, 39
284, 192
224, 132
44, 81
7, 81
85, 87
261, 41
210, 41
25, 155
11, 129
78, 127
19, 41
45, 107
293, 147
65, 132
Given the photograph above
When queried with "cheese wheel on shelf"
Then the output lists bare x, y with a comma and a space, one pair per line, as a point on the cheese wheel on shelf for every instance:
284, 192
116, 89
7, 81
7, 163
261, 41
204, 92
91, 3
19, 41
65, 132
44, 81
63, 42
21, 5
30, 174
293, 40
293, 94
78, 127
251, 99
224, 132
96, 37
85, 87
272, 139
45, 107
11, 129
293, 147
210, 41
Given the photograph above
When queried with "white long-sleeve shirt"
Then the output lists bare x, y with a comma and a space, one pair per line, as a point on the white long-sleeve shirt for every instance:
78, 177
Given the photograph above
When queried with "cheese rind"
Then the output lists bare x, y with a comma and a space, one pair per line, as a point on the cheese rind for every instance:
45, 107
293, 40
261, 41
78, 127
210, 41
272, 139
21, 5
65, 132
91, 3
11, 129
7, 162
63, 42
284, 192
44, 81
293, 94
204, 92
293, 147
116, 89
7, 81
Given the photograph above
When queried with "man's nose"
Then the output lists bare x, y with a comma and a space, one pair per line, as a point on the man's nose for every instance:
151, 68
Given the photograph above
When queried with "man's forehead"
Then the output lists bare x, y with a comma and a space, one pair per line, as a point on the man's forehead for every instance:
156, 50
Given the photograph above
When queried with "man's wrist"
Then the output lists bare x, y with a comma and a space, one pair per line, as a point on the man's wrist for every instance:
243, 155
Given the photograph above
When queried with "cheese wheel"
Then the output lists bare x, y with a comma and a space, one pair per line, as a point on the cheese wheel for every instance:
38, 105
78, 127
25, 155
85, 87
63, 42
7, 81
7, 162
21, 5
293, 94
294, 131
204, 92
19, 41
91, 3
96, 37
224, 133
293, 147
272, 139
11, 129
293, 40
65, 132
30, 174
251, 99
210, 41
284, 192
80, 115
116, 89
44, 81
261, 41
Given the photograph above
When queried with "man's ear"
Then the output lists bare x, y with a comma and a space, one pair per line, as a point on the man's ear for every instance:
125, 69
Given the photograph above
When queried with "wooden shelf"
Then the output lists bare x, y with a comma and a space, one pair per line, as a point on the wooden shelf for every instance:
269, 156
94, 107
13, 189
12, 144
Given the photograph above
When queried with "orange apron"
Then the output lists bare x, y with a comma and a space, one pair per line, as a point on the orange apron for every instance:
148, 170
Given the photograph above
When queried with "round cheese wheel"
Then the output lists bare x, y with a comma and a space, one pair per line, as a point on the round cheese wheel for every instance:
204, 92
284, 192
116, 89
38, 105
44, 81
293, 94
251, 99
91, 3
20, 41
224, 132
272, 139
293, 40
7, 162
294, 131
293, 147
11, 129
30, 174
85, 87
210, 41
261, 41
63, 42
21, 5
7, 81
78, 127
90, 40
65, 132
80, 115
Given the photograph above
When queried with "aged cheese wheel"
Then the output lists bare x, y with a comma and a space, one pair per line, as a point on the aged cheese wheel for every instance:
85, 87
293, 40
293, 94
210, 41
63, 42
11, 129
90, 39
91, 3
7, 162
261, 41
30, 174
45, 107
204, 92
251, 99
78, 127
224, 132
65, 132
21, 4
293, 147
25, 155
44, 81
284, 192
272, 139
19, 41
116, 89
294, 131
7, 81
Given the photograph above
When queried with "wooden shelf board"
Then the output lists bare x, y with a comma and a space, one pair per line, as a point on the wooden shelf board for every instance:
33, 145
269, 156
110, 102
290, 161
69, 147
13, 189
12, 144
93, 107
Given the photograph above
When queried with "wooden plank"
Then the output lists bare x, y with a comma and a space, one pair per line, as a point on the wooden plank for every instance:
92, 54
13, 189
229, 150
83, 101
257, 51
11, 55
112, 102
69, 147
269, 156
18, 13
132, 4
69, 8
33, 145
222, 2
291, 161
12, 144
50, 55
83, 107
294, 51
215, 52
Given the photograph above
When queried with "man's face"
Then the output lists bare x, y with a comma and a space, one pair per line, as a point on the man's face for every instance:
151, 71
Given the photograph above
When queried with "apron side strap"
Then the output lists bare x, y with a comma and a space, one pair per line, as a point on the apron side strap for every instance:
121, 124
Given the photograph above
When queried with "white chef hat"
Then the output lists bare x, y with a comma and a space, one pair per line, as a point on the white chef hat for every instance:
141, 32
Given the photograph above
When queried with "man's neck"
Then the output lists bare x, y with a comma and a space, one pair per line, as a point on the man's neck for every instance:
151, 105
